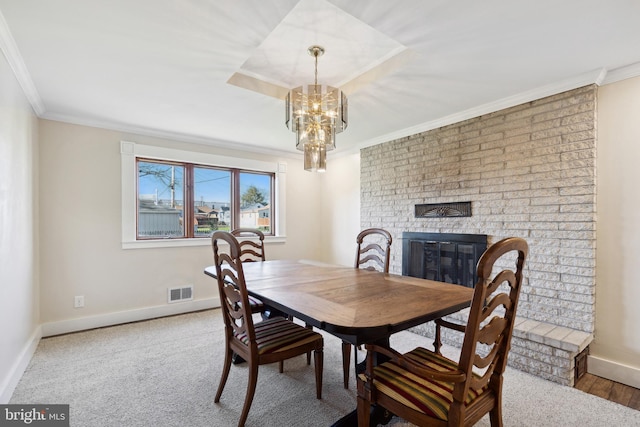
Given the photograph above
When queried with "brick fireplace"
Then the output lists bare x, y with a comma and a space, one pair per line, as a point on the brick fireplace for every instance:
529, 171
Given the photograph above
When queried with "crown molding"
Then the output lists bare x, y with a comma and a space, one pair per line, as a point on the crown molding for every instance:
11, 52
592, 77
622, 73
172, 136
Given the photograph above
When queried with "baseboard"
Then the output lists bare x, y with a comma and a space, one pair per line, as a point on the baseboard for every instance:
15, 373
614, 371
116, 318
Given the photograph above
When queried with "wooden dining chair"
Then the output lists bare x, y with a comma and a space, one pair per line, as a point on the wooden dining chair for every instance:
428, 389
373, 253
251, 250
269, 341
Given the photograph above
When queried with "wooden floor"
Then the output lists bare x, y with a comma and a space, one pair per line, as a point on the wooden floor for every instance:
610, 390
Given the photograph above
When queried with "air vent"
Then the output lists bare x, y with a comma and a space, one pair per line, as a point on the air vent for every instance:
180, 294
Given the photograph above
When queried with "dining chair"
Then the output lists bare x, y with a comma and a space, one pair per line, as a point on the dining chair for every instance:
428, 389
268, 341
373, 250
252, 250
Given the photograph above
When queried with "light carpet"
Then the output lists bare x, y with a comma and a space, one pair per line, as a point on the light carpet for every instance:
165, 372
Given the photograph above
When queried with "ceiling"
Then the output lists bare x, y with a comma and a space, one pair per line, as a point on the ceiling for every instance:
216, 71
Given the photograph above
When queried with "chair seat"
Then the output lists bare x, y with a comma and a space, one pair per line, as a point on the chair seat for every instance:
425, 395
278, 334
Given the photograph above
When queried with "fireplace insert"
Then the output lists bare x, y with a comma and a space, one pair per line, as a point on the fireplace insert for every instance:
445, 257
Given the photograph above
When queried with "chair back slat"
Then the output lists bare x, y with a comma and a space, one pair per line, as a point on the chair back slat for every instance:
374, 253
251, 243
490, 333
491, 318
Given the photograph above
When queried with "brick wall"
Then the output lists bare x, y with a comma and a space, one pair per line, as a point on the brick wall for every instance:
529, 171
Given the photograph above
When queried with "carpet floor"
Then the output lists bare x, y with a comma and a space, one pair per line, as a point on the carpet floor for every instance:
165, 372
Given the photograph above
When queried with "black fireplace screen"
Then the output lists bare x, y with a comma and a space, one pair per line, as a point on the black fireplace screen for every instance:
445, 257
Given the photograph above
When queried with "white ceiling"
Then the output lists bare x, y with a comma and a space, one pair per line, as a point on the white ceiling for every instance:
215, 71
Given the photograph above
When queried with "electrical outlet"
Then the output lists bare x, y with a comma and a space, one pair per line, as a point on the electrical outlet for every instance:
78, 301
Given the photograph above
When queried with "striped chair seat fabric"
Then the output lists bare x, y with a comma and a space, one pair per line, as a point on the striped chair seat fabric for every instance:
279, 334
425, 395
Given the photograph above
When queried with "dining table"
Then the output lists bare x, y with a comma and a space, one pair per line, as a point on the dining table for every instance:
357, 305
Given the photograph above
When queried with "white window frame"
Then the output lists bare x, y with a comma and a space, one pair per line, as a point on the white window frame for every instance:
130, 151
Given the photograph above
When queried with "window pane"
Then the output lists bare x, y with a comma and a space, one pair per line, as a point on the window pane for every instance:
160, 200
255, 201
212, 201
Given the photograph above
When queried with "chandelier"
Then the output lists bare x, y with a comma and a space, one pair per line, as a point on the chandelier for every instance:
316, 113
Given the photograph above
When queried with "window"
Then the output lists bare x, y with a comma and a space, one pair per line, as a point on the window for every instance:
178, 198
183, 200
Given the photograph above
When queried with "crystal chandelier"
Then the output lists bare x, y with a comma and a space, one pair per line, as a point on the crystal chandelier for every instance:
316, 113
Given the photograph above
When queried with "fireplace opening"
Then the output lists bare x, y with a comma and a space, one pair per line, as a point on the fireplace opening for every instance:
445, 257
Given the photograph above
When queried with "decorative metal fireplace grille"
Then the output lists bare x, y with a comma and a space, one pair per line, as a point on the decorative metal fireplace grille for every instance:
445, 257
440, 210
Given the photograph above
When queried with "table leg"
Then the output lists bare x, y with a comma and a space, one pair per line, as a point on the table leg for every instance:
379, 415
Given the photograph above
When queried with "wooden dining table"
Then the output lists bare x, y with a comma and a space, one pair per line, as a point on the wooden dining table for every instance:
356, 305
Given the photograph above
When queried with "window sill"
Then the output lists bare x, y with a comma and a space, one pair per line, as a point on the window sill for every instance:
179, 243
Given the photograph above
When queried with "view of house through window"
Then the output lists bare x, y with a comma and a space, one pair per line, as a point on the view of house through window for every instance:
212, 202
182, 200
255, 194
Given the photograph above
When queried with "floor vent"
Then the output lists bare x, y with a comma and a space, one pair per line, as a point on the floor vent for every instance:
180, 294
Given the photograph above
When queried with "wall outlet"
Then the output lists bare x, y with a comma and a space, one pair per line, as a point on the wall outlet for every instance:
78, 301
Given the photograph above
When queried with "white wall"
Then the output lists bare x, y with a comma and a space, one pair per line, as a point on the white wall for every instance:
19, 296
615, 352
340, 209
80, 224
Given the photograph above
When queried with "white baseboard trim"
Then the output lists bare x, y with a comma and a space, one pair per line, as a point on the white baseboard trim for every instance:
614, 371
116, 318
10, 382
